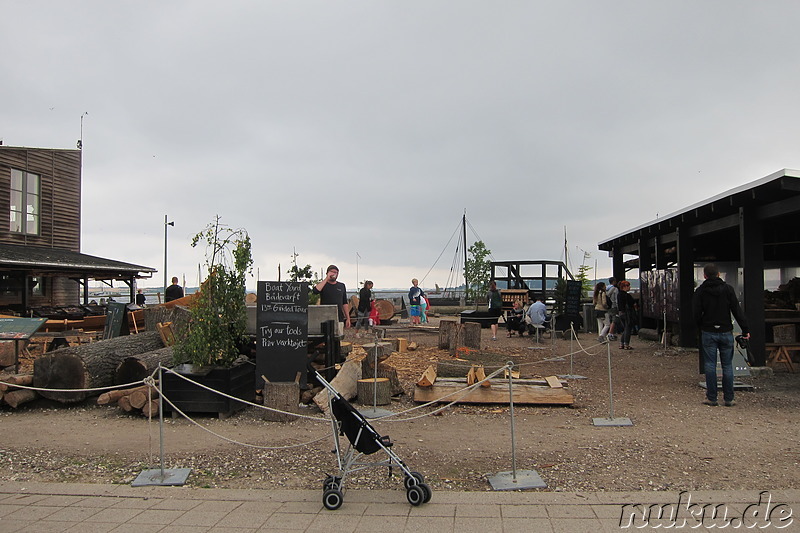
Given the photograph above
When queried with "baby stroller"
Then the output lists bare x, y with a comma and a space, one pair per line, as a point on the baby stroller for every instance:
364, 440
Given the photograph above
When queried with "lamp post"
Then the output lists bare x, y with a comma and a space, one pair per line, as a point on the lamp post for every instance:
166, 224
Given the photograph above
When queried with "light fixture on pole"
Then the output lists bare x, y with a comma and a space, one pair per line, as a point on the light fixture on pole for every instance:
165, 252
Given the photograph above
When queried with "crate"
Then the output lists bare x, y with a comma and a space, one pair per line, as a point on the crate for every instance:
784, 334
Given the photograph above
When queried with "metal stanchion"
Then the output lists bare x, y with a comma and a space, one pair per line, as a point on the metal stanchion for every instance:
374, 412
524, 479
161, 476
611, 421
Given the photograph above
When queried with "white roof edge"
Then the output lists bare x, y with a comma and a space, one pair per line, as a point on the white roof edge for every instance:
786, 172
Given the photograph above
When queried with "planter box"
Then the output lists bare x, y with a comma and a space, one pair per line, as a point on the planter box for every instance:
238, 381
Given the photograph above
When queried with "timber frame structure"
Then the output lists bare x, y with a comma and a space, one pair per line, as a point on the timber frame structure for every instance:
40, 259
745, 231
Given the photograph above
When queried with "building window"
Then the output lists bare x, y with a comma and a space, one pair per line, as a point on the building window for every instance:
26, 195
37, 286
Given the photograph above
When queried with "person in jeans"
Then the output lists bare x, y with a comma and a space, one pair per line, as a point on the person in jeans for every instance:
713, 304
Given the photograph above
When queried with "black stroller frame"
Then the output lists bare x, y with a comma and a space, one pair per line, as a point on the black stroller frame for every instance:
363, 440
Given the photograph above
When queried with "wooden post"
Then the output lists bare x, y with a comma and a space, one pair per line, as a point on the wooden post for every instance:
445, 331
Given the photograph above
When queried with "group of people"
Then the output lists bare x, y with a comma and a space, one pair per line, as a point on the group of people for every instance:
713, 304
615, 311
334, 292
519, 319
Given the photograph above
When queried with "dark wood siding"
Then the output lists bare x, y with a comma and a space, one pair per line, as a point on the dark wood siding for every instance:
60, 172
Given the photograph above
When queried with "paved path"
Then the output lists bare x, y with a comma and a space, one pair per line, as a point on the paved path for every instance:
88, 508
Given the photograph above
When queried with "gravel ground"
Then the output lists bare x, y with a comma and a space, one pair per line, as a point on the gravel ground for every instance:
675, 443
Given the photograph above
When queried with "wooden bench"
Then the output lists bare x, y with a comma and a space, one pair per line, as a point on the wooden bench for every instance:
781, 354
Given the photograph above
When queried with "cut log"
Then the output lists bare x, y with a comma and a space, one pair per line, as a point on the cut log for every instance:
150, 409
178, 315
89, 365
471, 377
428, 377
283, 395
138, 399
15, 379
385, 310
125, 404
137, 367
385, 370
446, 328
15, 398
377, 391
344, 383
308, 395
480, 375
470, 335
112, 396
345, 348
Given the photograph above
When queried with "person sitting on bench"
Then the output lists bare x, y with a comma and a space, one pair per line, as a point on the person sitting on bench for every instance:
515, 322
536, 318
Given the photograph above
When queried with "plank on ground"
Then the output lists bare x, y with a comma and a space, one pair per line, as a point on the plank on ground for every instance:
523, 394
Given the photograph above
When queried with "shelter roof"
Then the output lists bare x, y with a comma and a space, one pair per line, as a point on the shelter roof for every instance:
56, 260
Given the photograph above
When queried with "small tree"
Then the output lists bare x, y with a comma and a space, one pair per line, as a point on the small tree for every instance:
218, 321
304, 275
477, 270
583, 275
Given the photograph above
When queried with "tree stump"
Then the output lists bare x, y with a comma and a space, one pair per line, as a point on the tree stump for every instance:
446, 328
465, 336
88, 366
369, 387
384, 350
283, 395
384, 371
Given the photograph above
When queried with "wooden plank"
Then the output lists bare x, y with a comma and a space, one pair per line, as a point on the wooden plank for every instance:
522, 394
553, 382
502, 379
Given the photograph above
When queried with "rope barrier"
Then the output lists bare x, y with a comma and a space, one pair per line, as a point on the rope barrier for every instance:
232, 441
96, 389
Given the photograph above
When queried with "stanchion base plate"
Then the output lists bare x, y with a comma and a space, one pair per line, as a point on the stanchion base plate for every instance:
612, 422
171, 477
525, 479
572, 376
374, 412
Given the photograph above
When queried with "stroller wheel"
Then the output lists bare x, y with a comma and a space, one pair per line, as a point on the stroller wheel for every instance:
426, 489
331, 482
414, 479
332, 499
415, 495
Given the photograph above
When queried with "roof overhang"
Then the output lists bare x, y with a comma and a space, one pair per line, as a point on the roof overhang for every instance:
55, 261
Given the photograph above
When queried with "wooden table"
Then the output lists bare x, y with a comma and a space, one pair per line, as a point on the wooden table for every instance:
781, 354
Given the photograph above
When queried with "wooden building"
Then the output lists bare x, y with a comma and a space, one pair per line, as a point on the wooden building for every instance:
751, 232
40, 259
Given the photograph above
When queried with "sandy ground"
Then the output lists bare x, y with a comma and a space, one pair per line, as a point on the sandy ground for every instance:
675, 443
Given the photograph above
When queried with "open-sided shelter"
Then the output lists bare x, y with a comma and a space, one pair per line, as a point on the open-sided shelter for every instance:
751, 232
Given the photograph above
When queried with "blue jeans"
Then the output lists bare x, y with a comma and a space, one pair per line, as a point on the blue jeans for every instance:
710, 344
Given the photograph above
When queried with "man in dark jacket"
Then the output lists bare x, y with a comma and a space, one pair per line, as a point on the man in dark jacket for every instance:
713, 303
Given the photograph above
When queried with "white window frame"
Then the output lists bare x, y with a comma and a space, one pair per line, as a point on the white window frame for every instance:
25, 213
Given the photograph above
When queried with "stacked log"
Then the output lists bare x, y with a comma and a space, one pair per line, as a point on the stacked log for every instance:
15, 396
143, 399
88, 366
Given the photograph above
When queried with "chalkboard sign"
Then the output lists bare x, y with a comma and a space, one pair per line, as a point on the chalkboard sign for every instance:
572, 302
282, 331
115, 320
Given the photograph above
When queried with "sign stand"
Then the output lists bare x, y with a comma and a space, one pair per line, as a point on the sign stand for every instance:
19, 330
611, 421
514, 480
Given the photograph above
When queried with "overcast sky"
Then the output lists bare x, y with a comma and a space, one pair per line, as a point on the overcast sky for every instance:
339, 128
